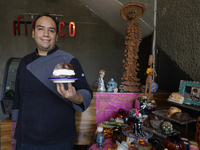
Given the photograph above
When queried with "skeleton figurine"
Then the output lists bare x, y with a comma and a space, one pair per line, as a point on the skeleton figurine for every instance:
137, 128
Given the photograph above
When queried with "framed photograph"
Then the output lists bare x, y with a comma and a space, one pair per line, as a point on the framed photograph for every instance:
191, 92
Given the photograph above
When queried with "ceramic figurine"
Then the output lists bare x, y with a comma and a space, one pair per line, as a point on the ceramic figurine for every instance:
121, 88
137, 128
167, 127
150, 73
101, 85
115, 90
154, 87
100, 140
111, 85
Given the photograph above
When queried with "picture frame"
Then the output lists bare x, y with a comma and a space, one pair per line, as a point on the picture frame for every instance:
191, 92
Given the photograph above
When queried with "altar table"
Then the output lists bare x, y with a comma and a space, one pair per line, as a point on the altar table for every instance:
107, 104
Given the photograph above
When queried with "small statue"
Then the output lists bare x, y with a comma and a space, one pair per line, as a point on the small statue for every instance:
101, 85
111, 85
167, 127
137, 128
121, 88
115, 90
150, 73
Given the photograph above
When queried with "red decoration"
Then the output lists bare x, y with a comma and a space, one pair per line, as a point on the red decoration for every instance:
71, 27
25, 27
63, 24
18, 27
70, 31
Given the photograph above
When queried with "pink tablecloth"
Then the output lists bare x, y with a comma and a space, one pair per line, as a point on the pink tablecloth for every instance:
107, 104
109, 145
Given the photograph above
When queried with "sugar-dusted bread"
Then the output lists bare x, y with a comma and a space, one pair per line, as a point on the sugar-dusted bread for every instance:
63, 70
172, 110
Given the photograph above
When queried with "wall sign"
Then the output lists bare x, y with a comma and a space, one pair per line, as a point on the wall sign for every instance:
16, 27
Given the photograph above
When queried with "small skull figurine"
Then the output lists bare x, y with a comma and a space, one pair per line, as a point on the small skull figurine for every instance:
115, 90
167, 127
111, 85
121, 88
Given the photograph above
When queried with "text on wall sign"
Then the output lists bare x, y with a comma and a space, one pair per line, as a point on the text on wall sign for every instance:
16, 27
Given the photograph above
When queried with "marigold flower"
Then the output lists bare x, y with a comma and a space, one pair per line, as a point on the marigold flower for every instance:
148, 70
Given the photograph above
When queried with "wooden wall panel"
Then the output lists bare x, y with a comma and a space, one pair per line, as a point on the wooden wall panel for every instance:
86, 124
6, 134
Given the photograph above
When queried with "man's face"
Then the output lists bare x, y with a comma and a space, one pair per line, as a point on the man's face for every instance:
45, 34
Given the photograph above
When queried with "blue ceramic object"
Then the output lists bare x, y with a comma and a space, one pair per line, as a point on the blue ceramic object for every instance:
154, 87
111, 85
100, 140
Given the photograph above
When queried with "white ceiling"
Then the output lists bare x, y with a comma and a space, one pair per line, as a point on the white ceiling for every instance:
109, 10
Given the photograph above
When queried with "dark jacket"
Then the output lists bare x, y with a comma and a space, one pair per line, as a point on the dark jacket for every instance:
43, 116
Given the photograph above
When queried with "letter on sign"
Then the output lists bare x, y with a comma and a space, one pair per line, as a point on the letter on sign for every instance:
18, 26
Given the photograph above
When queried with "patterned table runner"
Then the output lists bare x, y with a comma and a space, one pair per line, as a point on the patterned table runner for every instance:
107, 104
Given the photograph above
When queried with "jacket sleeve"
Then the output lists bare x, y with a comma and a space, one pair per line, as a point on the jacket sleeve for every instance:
81, 87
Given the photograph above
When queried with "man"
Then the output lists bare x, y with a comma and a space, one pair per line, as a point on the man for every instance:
45, 111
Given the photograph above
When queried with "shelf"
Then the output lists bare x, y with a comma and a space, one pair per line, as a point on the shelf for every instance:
162, 113
196, 108
158, 132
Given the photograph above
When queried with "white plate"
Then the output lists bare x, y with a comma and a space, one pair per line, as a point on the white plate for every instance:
63, 80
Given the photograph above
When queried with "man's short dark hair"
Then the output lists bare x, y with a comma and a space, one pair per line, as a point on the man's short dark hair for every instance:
47, 15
